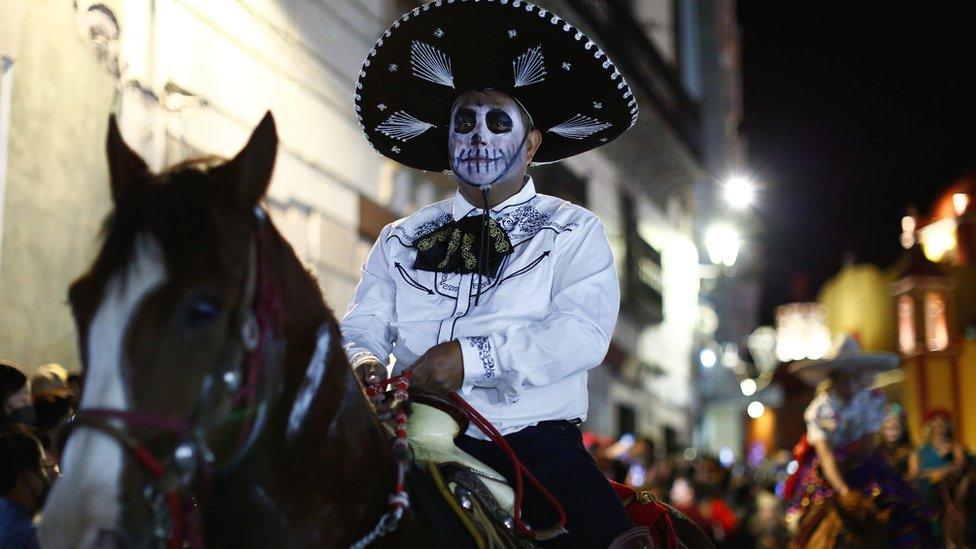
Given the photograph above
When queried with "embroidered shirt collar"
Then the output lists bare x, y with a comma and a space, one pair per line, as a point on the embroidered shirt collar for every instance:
462, 208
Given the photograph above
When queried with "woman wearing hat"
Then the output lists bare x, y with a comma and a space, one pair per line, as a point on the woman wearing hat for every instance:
502, 294
845, 491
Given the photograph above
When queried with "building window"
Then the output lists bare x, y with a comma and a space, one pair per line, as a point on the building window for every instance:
936, 324
643, 277
906, 324
626, 420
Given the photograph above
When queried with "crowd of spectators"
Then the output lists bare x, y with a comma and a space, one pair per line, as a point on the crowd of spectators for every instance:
739, 504
32, 415
734, 503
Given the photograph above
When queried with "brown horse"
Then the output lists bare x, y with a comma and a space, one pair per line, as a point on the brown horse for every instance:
173, 339
218, 406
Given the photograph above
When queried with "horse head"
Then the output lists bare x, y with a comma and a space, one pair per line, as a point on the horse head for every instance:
168, 337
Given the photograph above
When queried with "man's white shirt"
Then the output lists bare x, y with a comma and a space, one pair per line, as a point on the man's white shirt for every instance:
538, 325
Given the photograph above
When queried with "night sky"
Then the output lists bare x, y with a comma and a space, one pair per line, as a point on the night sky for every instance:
851, 114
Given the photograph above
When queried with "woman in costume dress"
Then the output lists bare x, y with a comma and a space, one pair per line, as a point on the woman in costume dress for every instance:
940, 455
845, 493
939, 463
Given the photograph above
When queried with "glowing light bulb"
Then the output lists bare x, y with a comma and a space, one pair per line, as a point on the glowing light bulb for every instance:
755, 409
748, 387
707, 358
739, 192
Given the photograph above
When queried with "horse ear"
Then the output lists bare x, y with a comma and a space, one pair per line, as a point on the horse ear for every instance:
250, 171
125, 167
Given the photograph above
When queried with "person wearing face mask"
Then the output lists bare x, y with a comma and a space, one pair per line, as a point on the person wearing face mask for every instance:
15, 395
501, 294
24, 484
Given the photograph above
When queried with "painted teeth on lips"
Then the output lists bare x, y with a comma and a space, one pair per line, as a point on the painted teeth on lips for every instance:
475, 156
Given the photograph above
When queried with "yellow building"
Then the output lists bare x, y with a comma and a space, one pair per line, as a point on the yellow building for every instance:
936, 309
939, 362
858, 302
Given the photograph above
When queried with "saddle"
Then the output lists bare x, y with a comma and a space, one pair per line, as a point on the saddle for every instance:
476, 495
434, 423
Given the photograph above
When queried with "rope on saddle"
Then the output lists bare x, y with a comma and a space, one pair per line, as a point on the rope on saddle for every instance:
489, 430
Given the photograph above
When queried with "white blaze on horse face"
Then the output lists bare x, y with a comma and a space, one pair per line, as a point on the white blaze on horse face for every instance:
86, 500
481, 154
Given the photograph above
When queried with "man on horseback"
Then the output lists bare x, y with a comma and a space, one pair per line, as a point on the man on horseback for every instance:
502, 294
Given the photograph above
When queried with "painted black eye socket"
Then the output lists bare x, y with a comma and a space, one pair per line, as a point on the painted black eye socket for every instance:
498, 121
200, 311
464, 120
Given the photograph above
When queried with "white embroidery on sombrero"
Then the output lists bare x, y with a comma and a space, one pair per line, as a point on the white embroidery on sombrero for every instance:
530, 67
579, 127
403, 126
431, 64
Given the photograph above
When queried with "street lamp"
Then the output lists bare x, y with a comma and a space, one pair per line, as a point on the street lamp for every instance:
707, 357
722, 242
739, 192
755, 409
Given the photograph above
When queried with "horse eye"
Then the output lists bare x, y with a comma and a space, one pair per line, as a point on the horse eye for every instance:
201, 311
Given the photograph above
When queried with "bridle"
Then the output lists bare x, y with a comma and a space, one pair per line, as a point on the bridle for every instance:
241, 387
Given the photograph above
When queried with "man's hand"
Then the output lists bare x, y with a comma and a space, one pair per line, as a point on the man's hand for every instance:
440, 370
370, 372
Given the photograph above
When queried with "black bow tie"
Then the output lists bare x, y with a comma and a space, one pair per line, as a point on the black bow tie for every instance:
458, 247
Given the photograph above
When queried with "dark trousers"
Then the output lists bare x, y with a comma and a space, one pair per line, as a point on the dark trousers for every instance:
553, 451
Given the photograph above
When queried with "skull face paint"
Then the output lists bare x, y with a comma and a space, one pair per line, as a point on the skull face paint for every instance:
487, 138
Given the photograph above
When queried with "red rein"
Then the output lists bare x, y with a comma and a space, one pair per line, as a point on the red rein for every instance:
489, 430
402, 383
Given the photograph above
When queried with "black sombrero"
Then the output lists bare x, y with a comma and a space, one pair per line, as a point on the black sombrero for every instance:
434, 53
